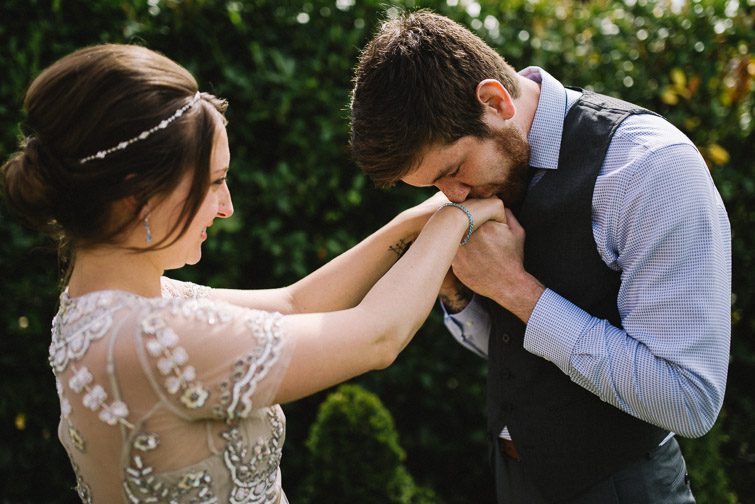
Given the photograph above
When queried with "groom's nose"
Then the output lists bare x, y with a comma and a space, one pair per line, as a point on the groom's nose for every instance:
455, 191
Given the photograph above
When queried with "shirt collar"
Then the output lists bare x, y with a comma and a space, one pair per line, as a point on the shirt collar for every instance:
544, 136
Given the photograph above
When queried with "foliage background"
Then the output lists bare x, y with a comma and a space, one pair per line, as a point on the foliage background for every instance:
285, 66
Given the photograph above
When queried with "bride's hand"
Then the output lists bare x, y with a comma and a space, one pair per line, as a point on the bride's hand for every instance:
482, 210
486, 209
429, 206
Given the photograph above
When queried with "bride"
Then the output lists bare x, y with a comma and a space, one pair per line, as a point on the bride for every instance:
169, 391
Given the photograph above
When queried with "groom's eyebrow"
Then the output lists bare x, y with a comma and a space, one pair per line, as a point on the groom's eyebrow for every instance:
445, 171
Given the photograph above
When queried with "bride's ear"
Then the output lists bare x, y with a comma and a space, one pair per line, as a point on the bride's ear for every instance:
144, 211
129, 208
130, 204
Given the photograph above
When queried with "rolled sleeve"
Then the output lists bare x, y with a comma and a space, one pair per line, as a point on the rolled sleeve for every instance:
470, 327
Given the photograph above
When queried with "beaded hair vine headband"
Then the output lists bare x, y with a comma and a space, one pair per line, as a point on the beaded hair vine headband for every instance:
144, 134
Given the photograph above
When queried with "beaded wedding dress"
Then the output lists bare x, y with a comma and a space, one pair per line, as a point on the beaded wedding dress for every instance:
167, 400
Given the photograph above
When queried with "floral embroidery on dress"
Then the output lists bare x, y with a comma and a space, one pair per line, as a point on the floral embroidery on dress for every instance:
161, 343
146, 441
95, 398
183, 290
76, 439
90, 317
65, 412
254, 469
249, 371
246, 470
143, 485
85, 494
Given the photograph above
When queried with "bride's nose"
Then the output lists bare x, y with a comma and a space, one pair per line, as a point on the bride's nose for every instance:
225, 208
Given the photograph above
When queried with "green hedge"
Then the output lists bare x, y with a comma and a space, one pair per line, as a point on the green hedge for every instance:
355, 454
285, 67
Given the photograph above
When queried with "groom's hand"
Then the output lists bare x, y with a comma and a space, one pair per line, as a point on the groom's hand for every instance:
453, 294
492, 265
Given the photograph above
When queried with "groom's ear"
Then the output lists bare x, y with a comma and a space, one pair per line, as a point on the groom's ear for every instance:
496, 102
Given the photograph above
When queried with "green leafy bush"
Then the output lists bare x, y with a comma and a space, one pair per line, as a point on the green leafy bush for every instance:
355, 455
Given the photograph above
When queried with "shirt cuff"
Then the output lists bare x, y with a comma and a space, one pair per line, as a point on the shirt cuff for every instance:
554, 328
470, 326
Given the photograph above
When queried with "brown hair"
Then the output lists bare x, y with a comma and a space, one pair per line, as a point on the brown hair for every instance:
92, 100
414, 86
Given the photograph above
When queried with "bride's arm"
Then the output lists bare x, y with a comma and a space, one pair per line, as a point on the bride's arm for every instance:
329, 348
344, 281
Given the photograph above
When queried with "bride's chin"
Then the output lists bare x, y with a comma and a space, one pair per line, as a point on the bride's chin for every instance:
194, 260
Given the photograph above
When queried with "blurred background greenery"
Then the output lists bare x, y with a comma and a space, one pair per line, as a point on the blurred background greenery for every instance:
285, 66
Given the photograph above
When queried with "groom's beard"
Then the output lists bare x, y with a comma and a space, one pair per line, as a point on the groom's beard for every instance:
513, 146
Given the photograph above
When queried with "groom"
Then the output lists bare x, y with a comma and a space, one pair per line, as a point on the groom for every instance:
607, 329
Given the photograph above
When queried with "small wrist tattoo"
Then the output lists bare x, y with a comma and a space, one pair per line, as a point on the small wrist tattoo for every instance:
401, 247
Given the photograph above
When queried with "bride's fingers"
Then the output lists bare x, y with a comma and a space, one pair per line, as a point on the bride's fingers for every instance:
500, 211
484, 210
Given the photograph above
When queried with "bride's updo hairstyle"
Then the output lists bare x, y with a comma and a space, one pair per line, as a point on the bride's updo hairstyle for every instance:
86, 146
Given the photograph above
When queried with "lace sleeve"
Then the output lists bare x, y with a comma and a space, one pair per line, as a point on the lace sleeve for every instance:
209, 359
183, 290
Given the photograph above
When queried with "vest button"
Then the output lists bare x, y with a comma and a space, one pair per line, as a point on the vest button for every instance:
506, 338
506, 373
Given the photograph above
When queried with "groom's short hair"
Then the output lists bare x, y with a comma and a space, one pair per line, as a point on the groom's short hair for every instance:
414, 87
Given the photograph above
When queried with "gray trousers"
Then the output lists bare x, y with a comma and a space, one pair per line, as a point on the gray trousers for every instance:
660, 476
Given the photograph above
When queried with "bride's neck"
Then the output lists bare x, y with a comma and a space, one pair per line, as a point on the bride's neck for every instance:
114, 269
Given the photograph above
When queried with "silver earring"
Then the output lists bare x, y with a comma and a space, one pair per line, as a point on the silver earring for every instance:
148, 230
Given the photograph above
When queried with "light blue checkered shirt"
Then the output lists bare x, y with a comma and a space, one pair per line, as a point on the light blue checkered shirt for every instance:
659, 220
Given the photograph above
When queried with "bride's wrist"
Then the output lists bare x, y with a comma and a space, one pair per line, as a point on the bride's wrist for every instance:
466, 217
410, 223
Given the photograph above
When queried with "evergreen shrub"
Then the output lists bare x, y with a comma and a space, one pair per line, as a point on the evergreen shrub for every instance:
355, 455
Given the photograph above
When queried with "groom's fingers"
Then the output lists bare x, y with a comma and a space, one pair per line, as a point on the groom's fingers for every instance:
513, 223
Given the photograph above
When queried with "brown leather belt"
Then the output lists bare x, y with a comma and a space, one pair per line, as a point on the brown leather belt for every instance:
508, 449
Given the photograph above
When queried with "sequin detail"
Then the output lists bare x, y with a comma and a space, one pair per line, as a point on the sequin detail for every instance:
143, 485
95, 398
82, 489
248, 371
161, 343
146, 441
86, 319
254, 469
184, 290
241, 465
